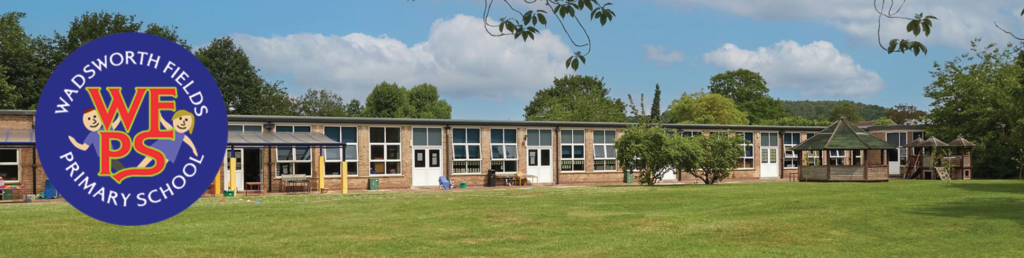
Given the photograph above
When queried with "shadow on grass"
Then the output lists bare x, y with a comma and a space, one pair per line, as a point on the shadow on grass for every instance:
1017, 188
979, 208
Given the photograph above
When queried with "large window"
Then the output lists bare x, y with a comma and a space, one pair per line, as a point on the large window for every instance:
915, 136
572, 151
466, 144
604, 150
9, 166
813, 157
385, 151
837, 157
428, 143
900, 140
294, 160
334, 156
789, 141
747, 160
504, 151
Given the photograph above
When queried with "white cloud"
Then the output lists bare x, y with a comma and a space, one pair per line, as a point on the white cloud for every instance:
458, 57
816, 69
959, 21
661, 55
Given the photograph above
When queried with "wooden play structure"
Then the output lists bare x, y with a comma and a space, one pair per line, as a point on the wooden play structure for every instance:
921, 164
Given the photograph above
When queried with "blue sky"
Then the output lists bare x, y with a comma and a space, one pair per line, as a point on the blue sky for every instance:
817, 50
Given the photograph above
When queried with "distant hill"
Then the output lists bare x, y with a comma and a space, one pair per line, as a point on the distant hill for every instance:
821, 108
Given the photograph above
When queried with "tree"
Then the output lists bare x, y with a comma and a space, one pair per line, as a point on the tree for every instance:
820, 109
750, 92
427, 103
903, 112
387, 100
717, 159
703, 108
884, 121
93, 25
24, 73
354, 108
978, 95
562, 10
243, 89
795, 121
576, 98
649, 150
656, 104
321, 103
845, 109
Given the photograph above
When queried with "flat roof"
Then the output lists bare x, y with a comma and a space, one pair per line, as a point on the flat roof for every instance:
464, 122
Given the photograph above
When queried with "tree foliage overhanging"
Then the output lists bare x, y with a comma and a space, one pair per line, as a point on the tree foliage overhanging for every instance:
705, 108
750, 92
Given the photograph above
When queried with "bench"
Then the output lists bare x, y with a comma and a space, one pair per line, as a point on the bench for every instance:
295, 184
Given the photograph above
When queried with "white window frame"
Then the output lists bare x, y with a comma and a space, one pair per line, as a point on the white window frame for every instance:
902, 149
789, 155
465, 145
350, 147
837, 155
745, 145
813, 156
292, 160
573, 145
385, 145
913, 151
606, 146
504, 148
16, 164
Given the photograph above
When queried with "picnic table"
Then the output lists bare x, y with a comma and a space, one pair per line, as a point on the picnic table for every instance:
296, 184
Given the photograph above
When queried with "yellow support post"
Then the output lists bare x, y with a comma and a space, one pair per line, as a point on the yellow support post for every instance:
216, 183
321, 174
344, 177
231, 176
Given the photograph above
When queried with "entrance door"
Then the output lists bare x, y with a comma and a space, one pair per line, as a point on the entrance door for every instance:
769, 155
250, 166
539, 165
426, 169
897, 157
239, 170
539, 155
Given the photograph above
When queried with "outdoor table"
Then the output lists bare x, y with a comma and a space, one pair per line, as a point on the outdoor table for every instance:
255, 187
14, 193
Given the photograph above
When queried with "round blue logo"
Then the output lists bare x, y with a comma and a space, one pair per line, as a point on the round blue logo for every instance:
131, 129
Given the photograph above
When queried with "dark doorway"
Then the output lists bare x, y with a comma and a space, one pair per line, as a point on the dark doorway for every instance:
251, 167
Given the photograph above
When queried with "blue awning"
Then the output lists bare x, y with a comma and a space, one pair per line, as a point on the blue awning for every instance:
17, 136
274, 139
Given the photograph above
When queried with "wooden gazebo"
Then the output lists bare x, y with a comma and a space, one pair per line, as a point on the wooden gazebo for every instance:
868, 164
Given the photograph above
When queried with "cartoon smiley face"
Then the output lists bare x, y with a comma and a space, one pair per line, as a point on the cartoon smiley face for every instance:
91, 120
183, 123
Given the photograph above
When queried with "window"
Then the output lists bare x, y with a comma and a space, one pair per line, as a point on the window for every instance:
858, 158
385, 151
915, 136
334, 156
9, 167
572, 151
900, 140
604, 150
504, 150
747, 160
245, 128
813, 157
540, 141
837, 157
294, 160
466, 143
789, 141
691, 133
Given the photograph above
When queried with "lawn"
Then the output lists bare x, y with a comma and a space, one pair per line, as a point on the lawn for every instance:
900, 218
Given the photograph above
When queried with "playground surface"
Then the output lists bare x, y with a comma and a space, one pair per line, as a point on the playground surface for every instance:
898, 218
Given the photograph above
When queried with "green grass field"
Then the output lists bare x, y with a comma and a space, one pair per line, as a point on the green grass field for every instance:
900, 218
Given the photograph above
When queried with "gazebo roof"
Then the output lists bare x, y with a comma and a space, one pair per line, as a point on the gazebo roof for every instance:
933, 142
843, 135
961, 142
915, 143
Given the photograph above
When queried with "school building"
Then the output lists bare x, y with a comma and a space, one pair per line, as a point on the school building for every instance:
412, 153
